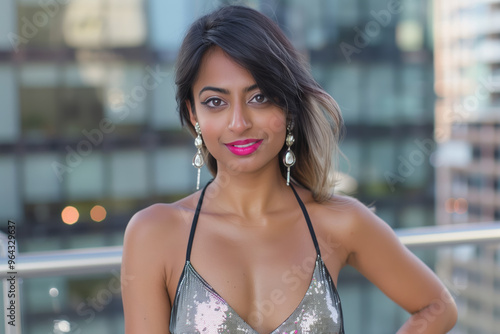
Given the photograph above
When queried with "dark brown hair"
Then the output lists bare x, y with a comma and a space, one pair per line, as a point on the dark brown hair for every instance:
257, 43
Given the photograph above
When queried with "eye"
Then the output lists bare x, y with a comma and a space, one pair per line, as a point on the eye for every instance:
213, 102
259, 98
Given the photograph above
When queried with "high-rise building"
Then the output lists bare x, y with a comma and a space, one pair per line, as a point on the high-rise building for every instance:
89, 132
467, 69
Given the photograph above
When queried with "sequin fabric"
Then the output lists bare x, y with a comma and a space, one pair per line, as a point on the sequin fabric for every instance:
198, 308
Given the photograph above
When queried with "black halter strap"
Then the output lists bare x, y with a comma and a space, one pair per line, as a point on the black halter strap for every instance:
195, 221
308, 220
197, 214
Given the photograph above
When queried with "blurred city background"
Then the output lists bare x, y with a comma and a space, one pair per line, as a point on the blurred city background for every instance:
89, 134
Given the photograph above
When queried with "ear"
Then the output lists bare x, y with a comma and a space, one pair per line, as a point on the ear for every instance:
192, 112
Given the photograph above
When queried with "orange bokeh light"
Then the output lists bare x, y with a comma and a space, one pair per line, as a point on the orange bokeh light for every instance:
461, 206
449, 205
70, 215
98, 213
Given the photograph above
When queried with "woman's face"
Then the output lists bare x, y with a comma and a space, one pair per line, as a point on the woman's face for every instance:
240, 126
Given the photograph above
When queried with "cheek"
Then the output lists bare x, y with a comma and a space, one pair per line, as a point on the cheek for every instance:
211, 133
277, 123
276, 128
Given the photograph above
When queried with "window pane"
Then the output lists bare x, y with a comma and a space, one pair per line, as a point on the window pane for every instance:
40, 180
172, 16
86, 181
174, 172
39, 75
414, 101
129, 174
380, 95
8, 31
345, 12
38, 112
9, 125
10, 207
344, 85
416, 162
80, 108
126, 97
164, 112
381, 160
39, 26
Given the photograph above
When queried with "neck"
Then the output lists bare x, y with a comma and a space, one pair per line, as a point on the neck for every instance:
249, 195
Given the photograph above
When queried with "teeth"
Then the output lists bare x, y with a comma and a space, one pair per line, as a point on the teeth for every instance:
246, 145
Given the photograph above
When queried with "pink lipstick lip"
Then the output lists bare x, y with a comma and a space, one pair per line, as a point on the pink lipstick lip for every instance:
244, 150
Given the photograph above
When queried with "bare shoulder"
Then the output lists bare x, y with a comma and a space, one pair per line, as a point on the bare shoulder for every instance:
343, 204
349, 220
335, 222
150, 224
161, 220
160, 234
344, 211
363, 231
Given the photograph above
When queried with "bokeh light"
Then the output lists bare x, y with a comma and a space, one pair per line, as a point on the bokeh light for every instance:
98, 213
450, 205
62, 326
456, 205
70, 215
461, 206
54, 292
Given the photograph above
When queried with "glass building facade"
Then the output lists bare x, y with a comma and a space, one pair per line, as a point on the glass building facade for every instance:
467, 64
89, 131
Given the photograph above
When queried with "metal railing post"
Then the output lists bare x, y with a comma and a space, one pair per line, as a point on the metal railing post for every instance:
11, 302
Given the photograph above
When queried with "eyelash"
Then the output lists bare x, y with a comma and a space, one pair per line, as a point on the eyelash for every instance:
210, 100
260, 94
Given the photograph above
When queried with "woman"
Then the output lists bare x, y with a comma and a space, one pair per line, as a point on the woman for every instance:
270, 236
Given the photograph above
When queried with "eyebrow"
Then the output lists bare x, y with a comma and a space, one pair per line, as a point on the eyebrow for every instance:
226, 91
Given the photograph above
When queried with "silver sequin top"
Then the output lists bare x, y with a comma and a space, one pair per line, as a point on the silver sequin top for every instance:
198, 308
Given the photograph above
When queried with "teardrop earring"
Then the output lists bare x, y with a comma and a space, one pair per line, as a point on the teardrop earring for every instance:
198, 160
289, 158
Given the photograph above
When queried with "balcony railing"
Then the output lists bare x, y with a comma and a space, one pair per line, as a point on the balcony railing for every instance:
100, 260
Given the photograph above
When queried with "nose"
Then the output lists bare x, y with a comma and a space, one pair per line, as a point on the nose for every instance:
240, 120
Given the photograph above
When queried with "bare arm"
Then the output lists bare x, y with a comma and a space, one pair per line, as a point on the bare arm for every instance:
145, 299
377, 253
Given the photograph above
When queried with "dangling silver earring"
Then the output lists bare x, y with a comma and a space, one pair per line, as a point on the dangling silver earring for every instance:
289, 158
198, 160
